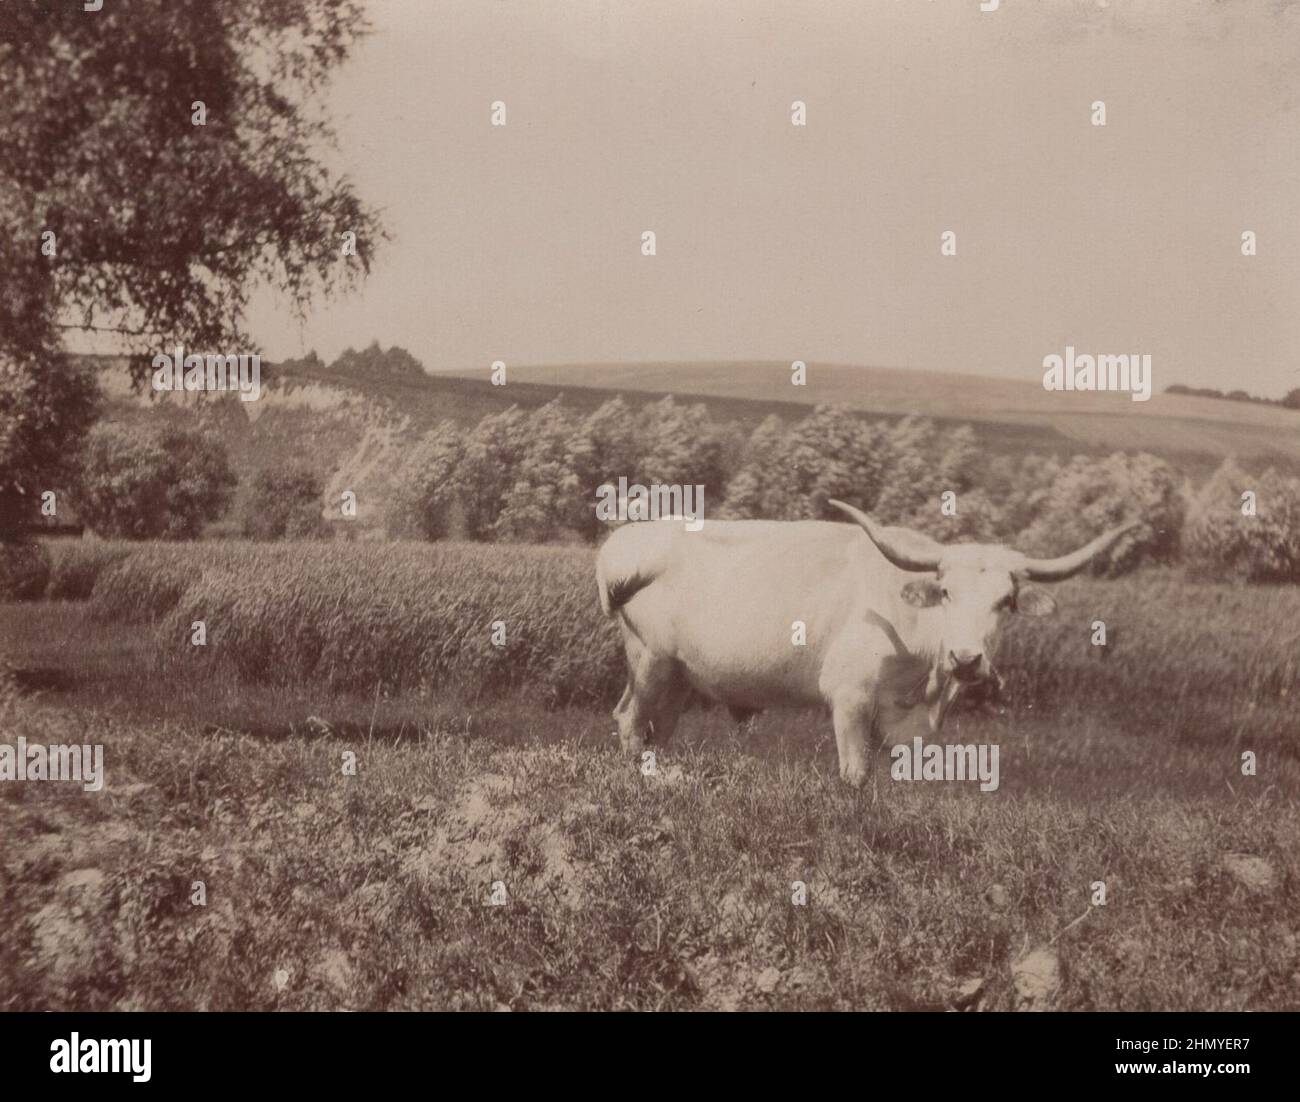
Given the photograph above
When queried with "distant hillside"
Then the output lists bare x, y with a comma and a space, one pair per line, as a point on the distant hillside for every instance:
1193, 432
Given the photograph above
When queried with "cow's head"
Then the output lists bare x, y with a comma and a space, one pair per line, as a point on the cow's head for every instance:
976, 586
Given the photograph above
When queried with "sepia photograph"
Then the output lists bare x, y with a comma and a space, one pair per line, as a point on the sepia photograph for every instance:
650, 505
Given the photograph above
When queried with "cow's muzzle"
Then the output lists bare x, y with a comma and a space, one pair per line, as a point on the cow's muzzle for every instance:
968, 667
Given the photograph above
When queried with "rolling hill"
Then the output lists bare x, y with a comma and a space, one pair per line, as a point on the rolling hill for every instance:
1192, 432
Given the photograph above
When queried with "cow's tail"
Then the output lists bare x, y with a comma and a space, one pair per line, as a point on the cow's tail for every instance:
624, 567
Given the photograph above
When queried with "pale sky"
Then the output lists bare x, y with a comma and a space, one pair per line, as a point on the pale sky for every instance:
821, 243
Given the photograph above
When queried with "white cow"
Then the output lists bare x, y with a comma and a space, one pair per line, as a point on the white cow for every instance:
892, 619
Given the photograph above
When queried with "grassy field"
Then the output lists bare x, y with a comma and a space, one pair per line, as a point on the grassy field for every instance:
478, 765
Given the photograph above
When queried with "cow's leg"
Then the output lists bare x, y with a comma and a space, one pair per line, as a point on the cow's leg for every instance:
655, 696
852, 716
673, 698
629, 735
624, 702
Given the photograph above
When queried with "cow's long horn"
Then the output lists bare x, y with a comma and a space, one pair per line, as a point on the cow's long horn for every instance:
1055, 570
903, 558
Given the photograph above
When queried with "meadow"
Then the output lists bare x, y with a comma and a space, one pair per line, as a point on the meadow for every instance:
479, 765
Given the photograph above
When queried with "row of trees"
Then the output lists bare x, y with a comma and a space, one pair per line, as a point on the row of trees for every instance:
1290, 400
534, 477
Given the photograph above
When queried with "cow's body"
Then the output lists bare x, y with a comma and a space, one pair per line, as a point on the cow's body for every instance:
718, 612
724, 602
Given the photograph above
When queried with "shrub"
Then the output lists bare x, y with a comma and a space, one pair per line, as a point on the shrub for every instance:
1090, 495
1224, 542
284, 504
977, 519
1020, 490
162, 486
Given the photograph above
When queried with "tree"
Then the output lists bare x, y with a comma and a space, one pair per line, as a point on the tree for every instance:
758, 489
428, 486
375, 361
603, 447
118, 213
489, 469
832, 453
285, 504
45, 403
166, 485
539, 503
912, 480
181, 218
1018, 491
790, 473
683, 446
1292, 398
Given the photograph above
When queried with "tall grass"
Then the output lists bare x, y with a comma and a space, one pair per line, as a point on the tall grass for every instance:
147, 583
75, 566
1200, 661
396, 616
1205, 661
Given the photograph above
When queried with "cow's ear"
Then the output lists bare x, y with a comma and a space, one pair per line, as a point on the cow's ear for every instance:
923, 592
1033, 601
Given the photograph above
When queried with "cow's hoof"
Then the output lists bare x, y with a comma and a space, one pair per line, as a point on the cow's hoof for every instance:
856, 775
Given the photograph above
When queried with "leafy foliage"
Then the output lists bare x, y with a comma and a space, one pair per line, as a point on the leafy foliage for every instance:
789, 473
425, 494
533, 477
1224, 541
45, 403
285, 504
1090, 495
166, 486
181, 219
374, 360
